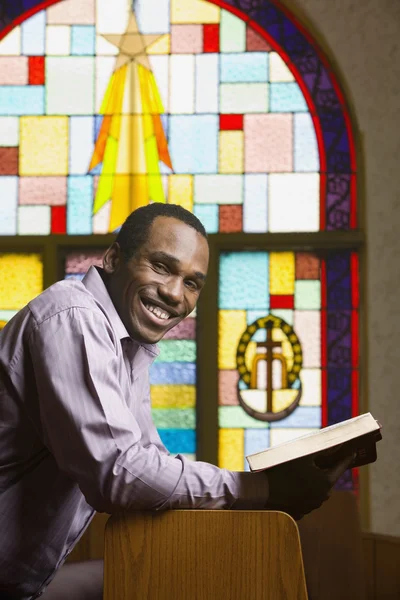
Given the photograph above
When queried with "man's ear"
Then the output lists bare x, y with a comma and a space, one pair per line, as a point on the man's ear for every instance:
112, 259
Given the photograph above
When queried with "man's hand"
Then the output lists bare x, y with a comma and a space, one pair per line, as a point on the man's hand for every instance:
298, 487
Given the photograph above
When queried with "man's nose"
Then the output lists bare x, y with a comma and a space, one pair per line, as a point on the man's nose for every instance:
172, 290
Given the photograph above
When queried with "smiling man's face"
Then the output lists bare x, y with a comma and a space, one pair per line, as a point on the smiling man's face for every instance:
160, 285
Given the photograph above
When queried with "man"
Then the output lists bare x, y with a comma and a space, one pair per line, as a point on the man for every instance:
75, 417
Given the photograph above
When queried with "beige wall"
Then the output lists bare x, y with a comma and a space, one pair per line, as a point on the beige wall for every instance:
363, 39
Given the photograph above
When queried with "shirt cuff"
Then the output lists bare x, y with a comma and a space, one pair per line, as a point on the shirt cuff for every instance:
252, 491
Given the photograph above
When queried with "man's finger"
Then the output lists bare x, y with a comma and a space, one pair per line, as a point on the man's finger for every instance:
340, 467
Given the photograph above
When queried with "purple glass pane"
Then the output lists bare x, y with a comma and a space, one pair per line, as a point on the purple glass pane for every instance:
338, 202
334, 133
339, 395
12, 9
185, 330
338, 281
339, 339
28, 4
80, 262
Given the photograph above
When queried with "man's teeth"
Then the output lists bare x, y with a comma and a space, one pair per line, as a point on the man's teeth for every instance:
157, 311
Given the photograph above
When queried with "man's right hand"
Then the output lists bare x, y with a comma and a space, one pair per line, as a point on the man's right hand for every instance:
298, 487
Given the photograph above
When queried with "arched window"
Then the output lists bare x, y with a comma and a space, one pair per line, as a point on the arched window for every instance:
230, 109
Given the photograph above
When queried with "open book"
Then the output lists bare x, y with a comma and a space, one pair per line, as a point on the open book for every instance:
329, 445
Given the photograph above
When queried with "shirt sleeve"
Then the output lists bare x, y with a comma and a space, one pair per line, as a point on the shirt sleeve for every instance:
95, 438
147, 424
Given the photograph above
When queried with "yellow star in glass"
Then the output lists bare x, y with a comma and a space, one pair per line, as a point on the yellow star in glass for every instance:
131, 142
132, 44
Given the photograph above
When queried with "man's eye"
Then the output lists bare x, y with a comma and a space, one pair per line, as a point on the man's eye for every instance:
192, 285
160, 267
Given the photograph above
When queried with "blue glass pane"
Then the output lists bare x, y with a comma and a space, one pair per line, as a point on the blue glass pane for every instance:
161, 373
208, 215
21, 100
252, 67
255, 440
260, 336
80, 204
83, 39
307, 417
193, 143
179, 441
33, 36
254, 315
287, 97
306, 156
243, 280
98, 120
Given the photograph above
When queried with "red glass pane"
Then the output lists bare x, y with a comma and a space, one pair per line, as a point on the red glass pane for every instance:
282, 301
58, 219
230, 122
255, 42
211, 38
307, 266
9, 161
36, 70
230, 218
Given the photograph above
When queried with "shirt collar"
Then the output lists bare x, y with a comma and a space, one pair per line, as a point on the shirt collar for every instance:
94, 283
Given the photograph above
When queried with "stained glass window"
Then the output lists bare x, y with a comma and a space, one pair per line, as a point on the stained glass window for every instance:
228, 108
186, 103
78, 263
173, 388
298, 313
21, 279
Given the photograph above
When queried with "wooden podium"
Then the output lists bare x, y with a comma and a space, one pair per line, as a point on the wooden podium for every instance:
203, 555
331, 543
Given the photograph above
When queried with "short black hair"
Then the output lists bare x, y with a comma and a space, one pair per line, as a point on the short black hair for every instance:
135, 231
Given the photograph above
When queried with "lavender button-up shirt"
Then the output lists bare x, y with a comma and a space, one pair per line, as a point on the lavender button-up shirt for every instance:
76, 434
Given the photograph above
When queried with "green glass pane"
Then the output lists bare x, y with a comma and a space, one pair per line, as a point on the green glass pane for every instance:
177, 351
231, 417
174, 418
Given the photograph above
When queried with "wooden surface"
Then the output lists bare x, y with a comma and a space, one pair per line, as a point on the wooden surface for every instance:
203, 555
91, 544
332, 550
382, 566
381, 559
369, 567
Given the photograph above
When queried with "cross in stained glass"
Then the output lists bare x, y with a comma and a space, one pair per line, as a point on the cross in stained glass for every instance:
269, 357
